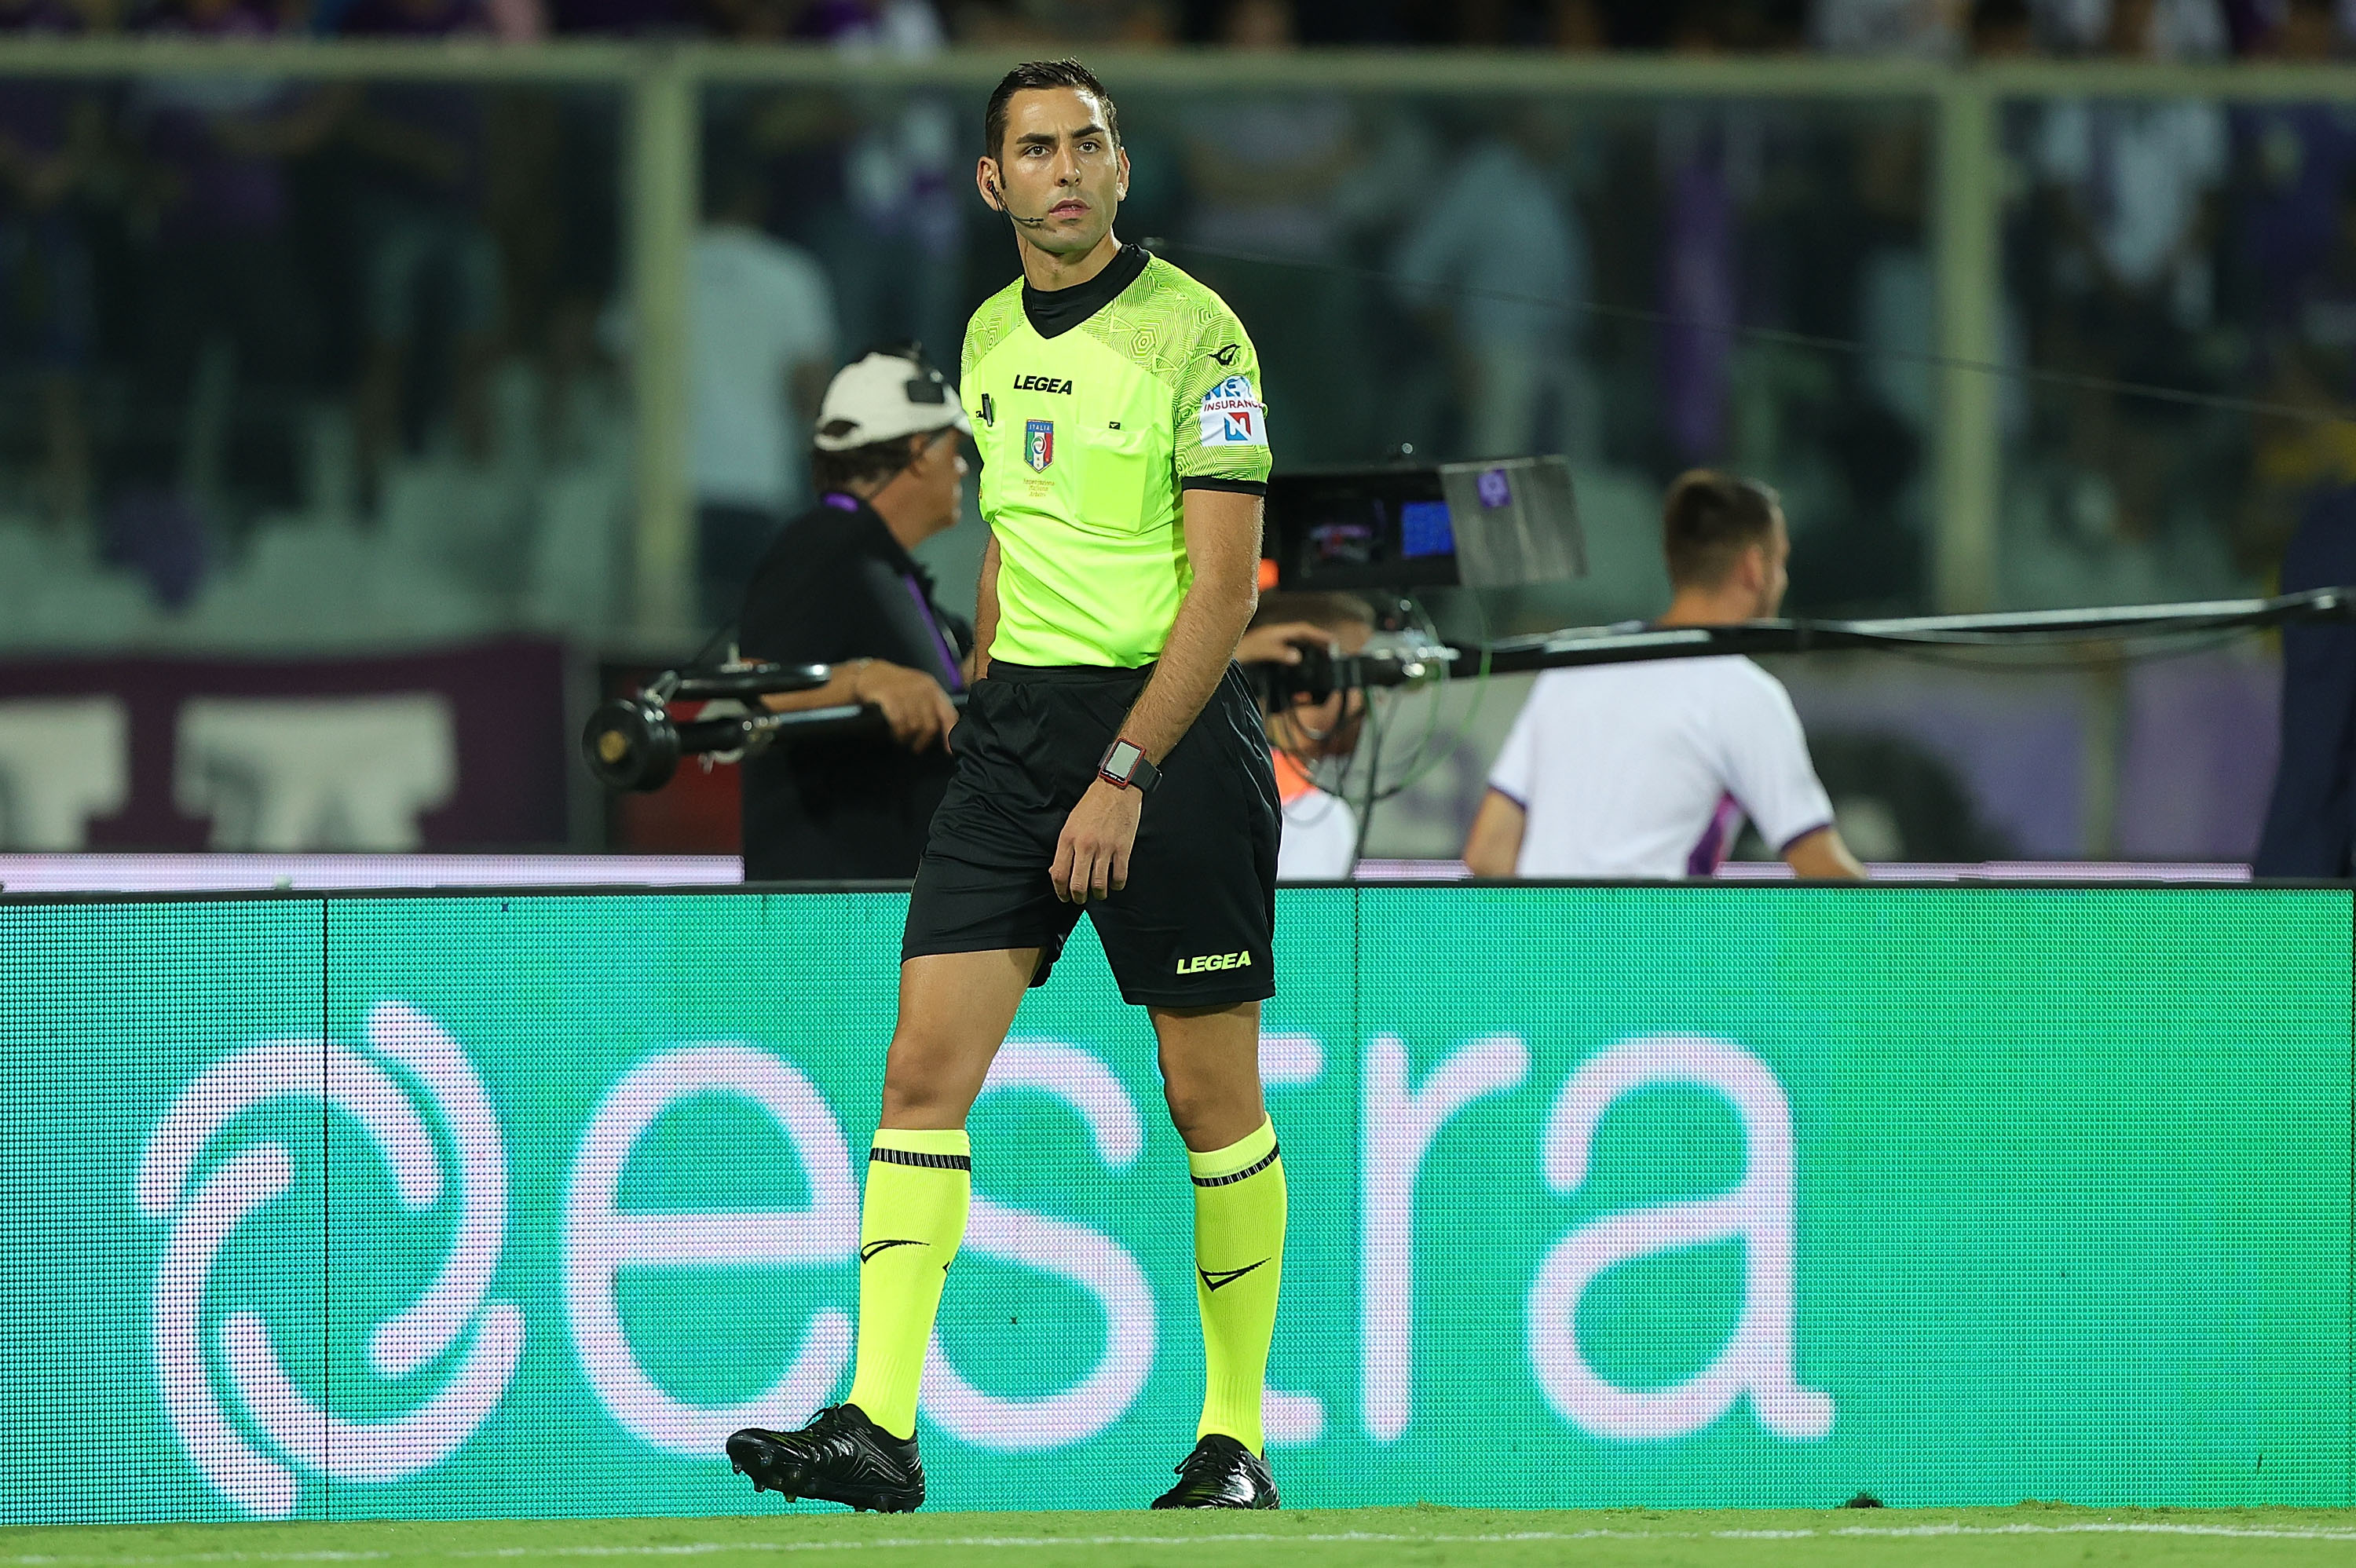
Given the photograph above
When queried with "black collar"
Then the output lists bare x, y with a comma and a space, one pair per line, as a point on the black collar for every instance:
1053, 312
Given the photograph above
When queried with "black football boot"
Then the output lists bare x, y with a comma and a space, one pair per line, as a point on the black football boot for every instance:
840, 1457
1221, 1473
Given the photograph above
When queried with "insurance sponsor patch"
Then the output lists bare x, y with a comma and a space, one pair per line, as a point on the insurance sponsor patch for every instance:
1232, 414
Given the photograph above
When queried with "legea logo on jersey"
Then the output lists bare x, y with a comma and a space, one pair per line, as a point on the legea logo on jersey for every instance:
410, 1081
1232, 415
1039, 442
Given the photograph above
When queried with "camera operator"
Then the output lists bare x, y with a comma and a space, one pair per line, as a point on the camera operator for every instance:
1321, 829
838, 587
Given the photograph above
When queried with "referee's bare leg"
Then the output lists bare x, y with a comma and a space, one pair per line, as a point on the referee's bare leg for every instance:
955, 1010
1210, 1073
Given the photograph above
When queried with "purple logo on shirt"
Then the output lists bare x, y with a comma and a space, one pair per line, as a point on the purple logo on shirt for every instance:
1494, 489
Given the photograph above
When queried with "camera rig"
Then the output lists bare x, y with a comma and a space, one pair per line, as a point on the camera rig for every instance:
634, 742
1396, 529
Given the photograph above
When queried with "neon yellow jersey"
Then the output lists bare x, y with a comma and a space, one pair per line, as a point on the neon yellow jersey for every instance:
1087, 434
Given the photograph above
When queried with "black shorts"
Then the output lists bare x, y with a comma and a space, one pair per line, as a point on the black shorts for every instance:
1191, 928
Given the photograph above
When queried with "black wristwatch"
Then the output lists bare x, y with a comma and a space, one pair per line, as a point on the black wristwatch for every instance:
1124, 764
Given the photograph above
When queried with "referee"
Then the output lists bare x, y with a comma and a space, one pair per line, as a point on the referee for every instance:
1110, 761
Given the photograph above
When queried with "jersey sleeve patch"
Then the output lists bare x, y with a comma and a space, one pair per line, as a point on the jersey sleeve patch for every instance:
1232, 414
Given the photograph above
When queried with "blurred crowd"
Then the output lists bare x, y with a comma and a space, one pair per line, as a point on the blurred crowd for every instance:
226, 297
1936, 29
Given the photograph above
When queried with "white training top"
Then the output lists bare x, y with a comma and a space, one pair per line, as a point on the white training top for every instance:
1646, 770
759, 308
1321, 830
1320, 838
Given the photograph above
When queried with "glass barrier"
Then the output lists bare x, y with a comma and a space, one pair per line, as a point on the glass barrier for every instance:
1421, 274
290, 363
2202, 252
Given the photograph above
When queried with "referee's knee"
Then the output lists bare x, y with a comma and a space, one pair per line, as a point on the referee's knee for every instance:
930, 1080
913, 1107
1211, 1112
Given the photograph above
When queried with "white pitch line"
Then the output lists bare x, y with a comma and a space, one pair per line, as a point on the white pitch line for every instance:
1278, 1536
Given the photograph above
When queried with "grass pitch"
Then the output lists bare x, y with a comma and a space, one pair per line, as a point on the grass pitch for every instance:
2030, 1536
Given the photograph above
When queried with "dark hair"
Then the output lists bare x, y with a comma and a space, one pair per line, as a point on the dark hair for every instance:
1331, 610
1032, 76
1709, 521
873, 463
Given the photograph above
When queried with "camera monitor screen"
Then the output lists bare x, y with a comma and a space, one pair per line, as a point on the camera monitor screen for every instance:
1386, 527
1500, 524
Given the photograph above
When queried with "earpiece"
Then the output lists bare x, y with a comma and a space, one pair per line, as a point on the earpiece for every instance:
998, 204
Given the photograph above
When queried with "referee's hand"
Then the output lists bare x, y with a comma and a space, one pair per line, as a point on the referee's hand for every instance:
1092, 853
912, 702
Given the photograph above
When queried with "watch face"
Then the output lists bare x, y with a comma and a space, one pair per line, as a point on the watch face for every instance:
1121, 762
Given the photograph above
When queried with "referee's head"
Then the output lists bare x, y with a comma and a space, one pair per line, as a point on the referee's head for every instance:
1726, 544
1052, 159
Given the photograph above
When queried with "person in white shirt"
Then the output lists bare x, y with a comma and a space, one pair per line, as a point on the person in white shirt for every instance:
1320, 842
763, 347
1647, 770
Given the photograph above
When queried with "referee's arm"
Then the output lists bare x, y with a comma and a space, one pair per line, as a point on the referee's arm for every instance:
985, 610
1223, 546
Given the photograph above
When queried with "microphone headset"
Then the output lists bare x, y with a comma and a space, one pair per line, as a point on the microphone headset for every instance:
998, 200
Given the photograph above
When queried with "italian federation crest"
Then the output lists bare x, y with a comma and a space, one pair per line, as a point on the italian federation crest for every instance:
1039, 442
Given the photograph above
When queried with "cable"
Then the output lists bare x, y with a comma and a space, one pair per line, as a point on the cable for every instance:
1374, 782
1430, 758
1820, 342
2118, 656
2131, 626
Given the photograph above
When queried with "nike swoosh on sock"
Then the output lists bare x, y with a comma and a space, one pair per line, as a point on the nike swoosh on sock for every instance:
1211, 1281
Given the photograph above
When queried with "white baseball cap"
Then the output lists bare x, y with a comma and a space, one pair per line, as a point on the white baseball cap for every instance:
887, 394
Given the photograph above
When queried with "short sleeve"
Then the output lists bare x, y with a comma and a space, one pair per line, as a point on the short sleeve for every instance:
1219, 420
1514, 774
1767, 767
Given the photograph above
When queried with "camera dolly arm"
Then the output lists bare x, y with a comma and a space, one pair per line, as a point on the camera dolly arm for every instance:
633, 742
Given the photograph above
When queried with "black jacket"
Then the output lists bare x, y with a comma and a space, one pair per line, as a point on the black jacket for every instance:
2310, 827
836, 586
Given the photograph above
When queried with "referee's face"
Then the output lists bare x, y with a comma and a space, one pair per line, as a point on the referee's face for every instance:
1059, 173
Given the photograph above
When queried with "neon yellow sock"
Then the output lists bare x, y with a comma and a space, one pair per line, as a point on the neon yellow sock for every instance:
912, 1218
1238, 1264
